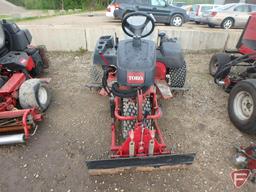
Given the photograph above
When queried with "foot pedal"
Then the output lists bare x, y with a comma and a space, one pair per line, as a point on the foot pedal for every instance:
164, 89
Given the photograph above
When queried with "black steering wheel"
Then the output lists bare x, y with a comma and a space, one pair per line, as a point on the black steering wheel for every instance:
133, 30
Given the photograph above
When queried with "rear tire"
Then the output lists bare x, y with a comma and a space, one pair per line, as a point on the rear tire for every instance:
211, 25
242, 106
177, 20
178, 76
197, 22
44, 55
129, 108
34, 93
218, 60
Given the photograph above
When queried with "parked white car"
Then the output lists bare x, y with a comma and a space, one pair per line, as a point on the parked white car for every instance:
111, 9
198, 10
187, 8
231, 15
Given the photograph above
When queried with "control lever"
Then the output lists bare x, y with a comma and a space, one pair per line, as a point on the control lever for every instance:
161, 35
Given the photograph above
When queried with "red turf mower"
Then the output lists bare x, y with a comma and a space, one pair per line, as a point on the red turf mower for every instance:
134, 74
235, 71
23, 98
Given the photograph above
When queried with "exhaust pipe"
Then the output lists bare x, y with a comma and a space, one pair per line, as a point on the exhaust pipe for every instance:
12, 139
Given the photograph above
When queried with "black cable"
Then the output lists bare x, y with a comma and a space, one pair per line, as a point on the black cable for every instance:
130, 93
222, 72
106, 70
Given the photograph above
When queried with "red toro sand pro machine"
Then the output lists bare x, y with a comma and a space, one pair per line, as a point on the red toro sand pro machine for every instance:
235, 71
23, 98
135, 74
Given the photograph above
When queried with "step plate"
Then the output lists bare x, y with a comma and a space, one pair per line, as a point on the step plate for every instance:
164, 89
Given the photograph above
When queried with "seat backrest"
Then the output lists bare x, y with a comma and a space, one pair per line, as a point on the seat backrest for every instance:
136, 61
2, 38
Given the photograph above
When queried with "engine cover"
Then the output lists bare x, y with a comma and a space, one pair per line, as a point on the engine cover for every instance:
136, 64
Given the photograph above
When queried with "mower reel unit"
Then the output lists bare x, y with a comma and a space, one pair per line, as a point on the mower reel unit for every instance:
134, 74
23, 97
235, 71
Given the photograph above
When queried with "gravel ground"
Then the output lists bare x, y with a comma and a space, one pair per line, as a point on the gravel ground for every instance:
77, 127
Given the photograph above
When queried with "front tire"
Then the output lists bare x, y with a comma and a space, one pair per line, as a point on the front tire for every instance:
34, 93
218, 60
176, 20
227, 23
242, 106
129, 108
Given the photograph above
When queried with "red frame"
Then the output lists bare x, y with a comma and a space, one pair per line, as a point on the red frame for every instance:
9, 95
140, 135
251, 164
25, 113
141, 141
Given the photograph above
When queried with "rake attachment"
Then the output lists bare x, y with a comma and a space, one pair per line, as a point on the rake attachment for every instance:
141, 164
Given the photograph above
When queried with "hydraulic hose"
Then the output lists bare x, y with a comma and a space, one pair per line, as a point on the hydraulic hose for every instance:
130, 93
106, 70
222, 72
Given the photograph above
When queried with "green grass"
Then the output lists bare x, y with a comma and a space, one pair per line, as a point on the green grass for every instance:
58, 13
57, 4
16, 20
3, 16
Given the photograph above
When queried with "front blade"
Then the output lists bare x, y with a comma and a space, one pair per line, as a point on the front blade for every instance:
149, 163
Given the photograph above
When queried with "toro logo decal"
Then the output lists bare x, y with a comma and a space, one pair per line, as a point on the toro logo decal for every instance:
135, 77
239, 177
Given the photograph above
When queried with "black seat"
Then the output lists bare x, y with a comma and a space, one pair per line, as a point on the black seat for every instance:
13, 60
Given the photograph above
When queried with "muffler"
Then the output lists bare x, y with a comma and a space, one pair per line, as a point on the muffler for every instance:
12, 139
